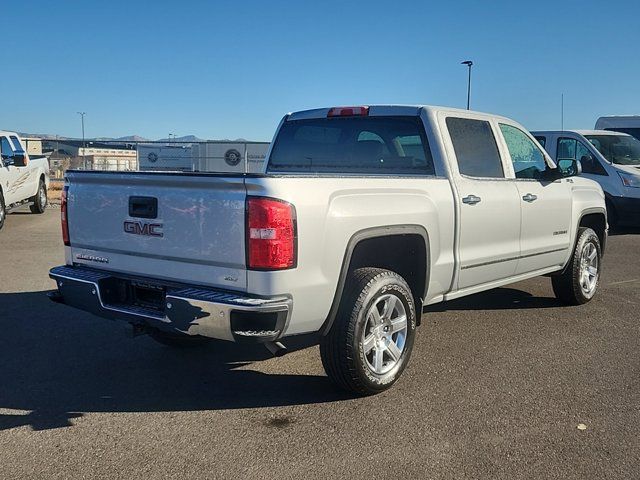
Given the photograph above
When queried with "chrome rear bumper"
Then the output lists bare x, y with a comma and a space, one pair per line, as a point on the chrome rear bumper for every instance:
183, 309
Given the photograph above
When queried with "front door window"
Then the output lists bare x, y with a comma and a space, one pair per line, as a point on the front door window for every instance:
528, 161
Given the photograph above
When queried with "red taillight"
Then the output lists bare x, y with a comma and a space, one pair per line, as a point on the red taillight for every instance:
64, 217
348, 112
271, 234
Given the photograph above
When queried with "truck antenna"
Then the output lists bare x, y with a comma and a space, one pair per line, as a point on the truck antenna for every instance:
562, 112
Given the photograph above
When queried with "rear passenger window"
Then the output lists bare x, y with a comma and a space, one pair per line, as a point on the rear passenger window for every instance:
475, 147
528, 160
7, 148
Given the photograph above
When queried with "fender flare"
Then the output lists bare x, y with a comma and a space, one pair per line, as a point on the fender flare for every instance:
590, 211
366, 234
584, 213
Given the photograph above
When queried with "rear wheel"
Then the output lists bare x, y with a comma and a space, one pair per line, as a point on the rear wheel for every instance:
177, 340
39, 204
3, 211
578, 283
370, 342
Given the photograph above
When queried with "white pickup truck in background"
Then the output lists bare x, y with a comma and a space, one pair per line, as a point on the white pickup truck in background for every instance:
23, 178
362, 217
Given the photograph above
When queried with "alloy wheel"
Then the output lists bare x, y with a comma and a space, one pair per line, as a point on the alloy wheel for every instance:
589, 264
384, 334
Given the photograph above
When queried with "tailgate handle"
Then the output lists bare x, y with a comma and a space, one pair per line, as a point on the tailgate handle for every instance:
143, 207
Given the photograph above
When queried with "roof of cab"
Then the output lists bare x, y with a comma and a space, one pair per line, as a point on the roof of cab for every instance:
392, 110
579, 132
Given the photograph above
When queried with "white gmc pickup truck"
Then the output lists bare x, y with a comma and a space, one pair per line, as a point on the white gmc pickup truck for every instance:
361, 218
23, 179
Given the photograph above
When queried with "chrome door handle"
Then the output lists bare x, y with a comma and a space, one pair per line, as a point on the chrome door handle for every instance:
529, 197
471, 200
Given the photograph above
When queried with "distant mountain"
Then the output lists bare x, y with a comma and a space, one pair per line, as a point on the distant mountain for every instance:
132, 138
184, 139
44, 136
128, 138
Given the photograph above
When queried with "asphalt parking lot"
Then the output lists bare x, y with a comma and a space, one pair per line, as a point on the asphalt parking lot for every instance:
496, 388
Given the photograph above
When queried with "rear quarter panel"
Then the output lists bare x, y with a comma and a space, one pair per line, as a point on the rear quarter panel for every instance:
330, 211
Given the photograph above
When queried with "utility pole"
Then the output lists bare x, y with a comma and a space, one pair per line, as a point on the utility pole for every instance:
84, 147
469, 64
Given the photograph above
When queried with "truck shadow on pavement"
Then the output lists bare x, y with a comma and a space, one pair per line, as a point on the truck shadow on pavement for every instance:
497, 299
624, 231
57, 363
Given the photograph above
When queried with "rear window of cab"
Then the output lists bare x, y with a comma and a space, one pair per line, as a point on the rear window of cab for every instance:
352, 145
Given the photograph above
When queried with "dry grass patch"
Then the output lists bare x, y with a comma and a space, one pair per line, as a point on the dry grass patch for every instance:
54, 191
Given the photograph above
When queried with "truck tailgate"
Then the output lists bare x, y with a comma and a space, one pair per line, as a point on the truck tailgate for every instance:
178, 227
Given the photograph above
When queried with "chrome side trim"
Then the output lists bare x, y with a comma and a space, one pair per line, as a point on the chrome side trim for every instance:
509, 259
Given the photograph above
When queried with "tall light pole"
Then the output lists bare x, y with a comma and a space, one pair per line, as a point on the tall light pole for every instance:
469, 64
84, 161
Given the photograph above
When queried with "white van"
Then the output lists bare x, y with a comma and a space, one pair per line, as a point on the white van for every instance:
610, 158
620, 123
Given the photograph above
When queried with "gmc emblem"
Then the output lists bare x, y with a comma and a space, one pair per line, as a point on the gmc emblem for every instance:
142, 228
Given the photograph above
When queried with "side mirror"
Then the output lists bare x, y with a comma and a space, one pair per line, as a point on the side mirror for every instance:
7, 160
568, 167
19, 159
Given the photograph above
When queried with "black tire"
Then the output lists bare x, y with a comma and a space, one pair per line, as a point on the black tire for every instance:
569, 286
342, 350
3, 211
39, 200
177, 340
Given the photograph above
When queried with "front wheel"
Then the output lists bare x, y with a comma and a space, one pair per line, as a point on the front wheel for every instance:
40, 199
578, 283
370, 342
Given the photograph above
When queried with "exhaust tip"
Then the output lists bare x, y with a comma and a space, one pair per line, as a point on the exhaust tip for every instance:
277, 349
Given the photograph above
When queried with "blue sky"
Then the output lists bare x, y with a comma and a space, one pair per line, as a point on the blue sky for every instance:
228, 69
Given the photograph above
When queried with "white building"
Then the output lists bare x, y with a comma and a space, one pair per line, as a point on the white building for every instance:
109, 159
165, 157
221, 156
32, 145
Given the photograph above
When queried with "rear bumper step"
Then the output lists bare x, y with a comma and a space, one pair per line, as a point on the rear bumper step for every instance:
178, 309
